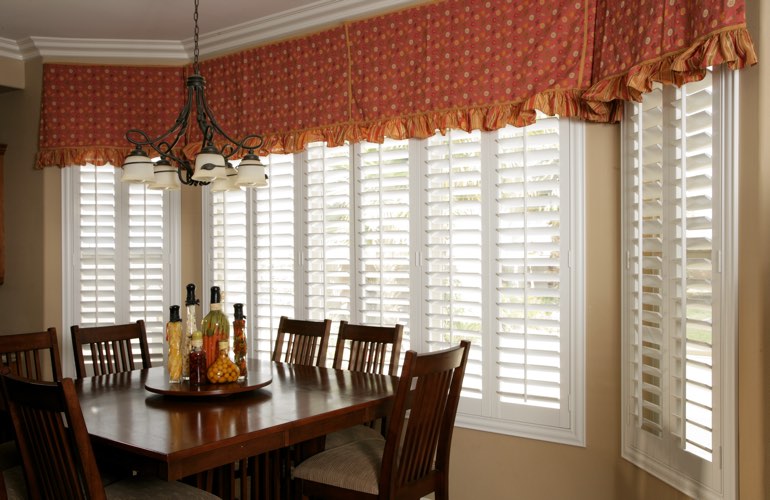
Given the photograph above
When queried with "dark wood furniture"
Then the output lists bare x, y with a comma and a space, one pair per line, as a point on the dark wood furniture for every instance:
414, 459
35, 356
302, 342
175, 437
368, 348
111, 348
25, 354
56, 451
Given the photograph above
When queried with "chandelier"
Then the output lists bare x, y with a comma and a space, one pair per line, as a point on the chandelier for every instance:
212, 164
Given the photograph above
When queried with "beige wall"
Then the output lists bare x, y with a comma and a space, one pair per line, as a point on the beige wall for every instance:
484, 465
11, 74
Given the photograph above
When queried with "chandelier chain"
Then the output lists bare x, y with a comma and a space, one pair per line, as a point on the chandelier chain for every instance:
196, 51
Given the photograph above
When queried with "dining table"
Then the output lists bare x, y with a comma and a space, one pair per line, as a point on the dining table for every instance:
140, 420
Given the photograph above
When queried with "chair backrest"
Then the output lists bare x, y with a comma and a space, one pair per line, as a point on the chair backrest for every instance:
416, 456
51, 434
302, 342
368, 348
111, 348
24, 354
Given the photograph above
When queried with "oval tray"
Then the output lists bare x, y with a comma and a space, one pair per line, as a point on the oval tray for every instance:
259, 375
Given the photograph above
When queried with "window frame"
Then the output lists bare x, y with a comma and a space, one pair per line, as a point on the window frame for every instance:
571, 429
70, 196
725, 118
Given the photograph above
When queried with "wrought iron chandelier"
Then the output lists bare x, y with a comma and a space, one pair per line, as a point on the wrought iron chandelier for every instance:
212, 165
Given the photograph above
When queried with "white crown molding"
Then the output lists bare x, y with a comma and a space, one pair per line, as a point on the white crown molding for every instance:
250, 34
291, 23
118, 49
10, 49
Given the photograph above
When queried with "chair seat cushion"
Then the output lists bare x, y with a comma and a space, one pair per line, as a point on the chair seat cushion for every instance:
353, 466
143, 488
355, 433
15, 487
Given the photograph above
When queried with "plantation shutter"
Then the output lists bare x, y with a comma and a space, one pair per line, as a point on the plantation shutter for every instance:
383, 245
328, 238
453, 252
229, 251
120, 263
673, 205
275, 252
532, 276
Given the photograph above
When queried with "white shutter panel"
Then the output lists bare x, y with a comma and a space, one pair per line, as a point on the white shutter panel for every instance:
328, 233
97, 272
274, 250
532, 286
453, 253
674, 216
119, 254
694, 294
229, 250
146, 265
383, 235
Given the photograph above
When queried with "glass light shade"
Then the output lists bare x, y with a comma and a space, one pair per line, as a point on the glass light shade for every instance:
137, 168
227, 184
166, 177
251, 172
209, 165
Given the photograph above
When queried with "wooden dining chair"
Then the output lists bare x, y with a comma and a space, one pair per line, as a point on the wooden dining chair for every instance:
33, 355
369, 349
414, 458
56, 452
111, 348
302, 342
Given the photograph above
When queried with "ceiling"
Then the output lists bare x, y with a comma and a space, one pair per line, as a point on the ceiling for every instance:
95, 27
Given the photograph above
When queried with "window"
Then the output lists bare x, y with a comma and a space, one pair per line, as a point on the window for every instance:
460, 236
679, 295
121, 254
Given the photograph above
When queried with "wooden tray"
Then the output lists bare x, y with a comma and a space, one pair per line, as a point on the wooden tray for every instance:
259, 375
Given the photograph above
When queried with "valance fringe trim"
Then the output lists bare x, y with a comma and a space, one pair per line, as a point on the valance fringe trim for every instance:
730, 45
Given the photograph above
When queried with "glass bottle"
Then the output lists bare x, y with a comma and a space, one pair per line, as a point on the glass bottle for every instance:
215, 327
191, 326
174, 340
223, 370
239, 339
197, 362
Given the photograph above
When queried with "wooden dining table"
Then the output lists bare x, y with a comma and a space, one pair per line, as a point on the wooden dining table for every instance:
178, 435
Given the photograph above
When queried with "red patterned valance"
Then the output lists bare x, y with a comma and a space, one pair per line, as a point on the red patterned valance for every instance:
466, 64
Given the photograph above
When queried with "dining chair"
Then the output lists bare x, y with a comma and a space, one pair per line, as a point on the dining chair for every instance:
33, 355
370, 349
302, 342
58, 460
414, 458
111, 348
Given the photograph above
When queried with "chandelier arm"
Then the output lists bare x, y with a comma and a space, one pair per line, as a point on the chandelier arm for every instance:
180, 126
211, 124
